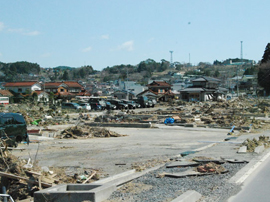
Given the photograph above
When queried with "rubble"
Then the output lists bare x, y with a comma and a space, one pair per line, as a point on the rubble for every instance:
22, 181
241, 113
211, 167
222, 113
252, 144
87, 132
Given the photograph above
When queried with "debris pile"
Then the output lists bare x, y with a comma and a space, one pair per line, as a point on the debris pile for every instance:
87, 132
211, 168
252, 144
22, 179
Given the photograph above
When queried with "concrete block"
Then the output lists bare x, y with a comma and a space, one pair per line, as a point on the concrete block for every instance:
75, 192
115, 177
188, 196
192, 125
242, 149
125, 177
121, 125
259, 149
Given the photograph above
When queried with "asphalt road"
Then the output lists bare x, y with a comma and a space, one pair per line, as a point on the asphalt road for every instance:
256, 186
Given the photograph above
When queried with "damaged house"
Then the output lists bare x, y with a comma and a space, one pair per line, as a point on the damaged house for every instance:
203, 89
162, 89
62, 90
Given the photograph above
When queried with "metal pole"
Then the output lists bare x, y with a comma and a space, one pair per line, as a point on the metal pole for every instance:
127, 85
4, 192
237, 82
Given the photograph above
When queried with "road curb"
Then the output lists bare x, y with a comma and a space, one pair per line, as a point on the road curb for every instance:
188, 196
246, 171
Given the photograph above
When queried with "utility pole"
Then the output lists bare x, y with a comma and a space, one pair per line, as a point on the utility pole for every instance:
171, 59
237, 81
127, 84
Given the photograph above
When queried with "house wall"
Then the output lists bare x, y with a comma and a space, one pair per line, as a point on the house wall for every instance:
178, 86
61, 89
132, 86
43, 97
36, 87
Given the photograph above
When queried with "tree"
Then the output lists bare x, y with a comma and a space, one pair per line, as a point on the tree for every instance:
264, 70
266, 55
216, 62
51, 97
34, 97
65, 75
250, 71
264, 76
216, 74
141, 67
207, 72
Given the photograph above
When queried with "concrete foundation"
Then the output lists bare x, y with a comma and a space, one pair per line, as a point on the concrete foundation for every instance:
75, 192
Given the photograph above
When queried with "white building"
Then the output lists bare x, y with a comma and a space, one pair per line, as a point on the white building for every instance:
131, 86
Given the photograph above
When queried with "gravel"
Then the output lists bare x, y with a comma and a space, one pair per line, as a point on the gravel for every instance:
212, 187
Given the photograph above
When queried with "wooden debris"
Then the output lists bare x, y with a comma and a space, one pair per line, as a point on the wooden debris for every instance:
94, 172
16, 177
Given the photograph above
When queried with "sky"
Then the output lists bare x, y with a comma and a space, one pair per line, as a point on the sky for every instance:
104, 33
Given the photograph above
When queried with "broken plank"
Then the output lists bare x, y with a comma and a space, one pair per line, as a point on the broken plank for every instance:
32, 172
182, 164
94, 172
12, 148
16, 177
185, 174
209, 160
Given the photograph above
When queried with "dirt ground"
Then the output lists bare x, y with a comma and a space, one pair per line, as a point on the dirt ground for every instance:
140, 147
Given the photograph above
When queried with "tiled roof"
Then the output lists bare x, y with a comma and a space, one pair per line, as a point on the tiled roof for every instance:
5, 93
70, 84
159, 83
148, 91
206, 78
53, 84
84, 94
39, 91
20, 84
192, 90
73, 84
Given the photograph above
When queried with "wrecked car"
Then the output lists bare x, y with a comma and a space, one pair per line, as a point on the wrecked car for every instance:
13, 127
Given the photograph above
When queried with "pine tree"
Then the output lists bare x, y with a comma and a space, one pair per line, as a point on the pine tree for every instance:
266, 55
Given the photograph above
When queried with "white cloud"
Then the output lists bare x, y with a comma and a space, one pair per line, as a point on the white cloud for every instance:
46, 55
87, 49
128, 46
20, 30
1, 26
24, 32
105, 36
33, 33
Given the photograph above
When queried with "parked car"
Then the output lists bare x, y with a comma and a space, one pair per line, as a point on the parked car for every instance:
143, 101
137, 105
154, 101
13, 126
119, 104
85, 106
131, 104
110, 106
150, 103
94, 101
71, 105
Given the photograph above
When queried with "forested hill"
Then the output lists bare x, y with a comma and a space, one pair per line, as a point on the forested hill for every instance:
19, 68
